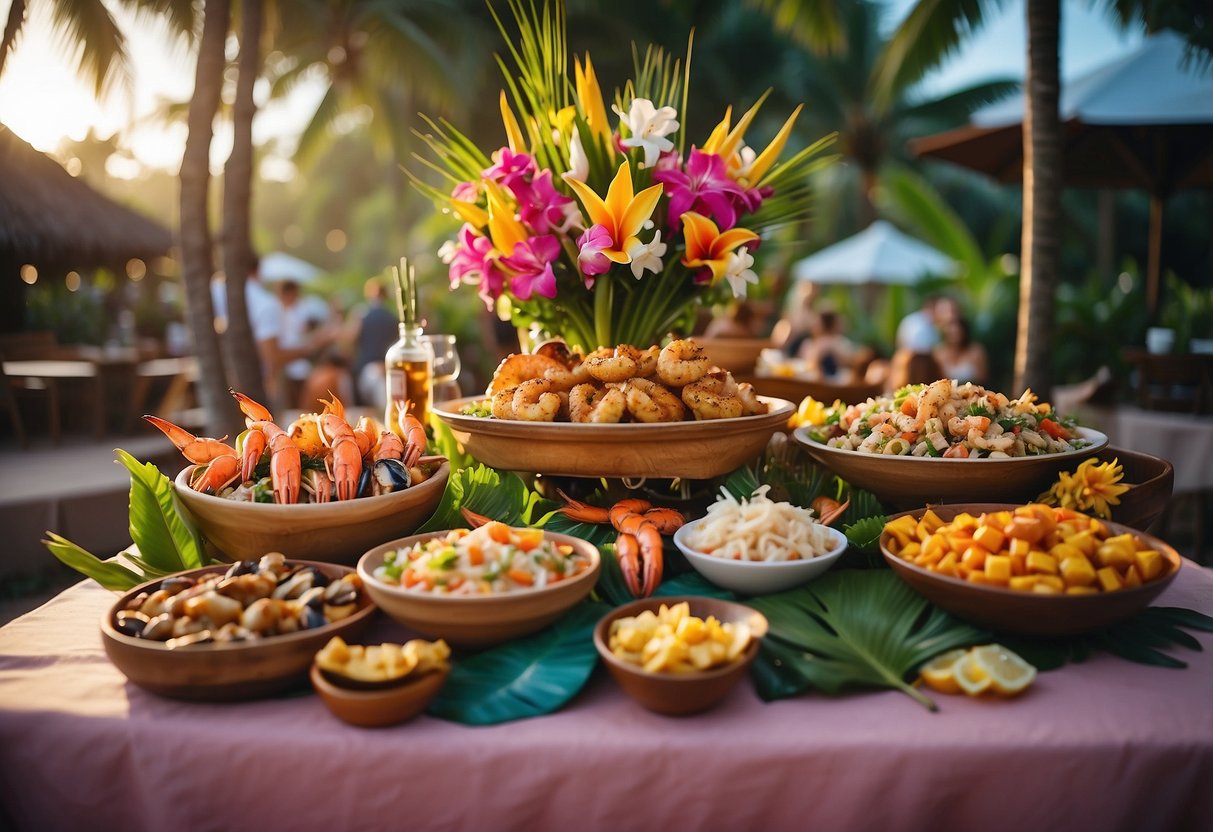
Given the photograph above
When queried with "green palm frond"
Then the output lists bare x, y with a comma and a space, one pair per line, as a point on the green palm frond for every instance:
88, 30
954, 108
13, 24
852, 629
816, 24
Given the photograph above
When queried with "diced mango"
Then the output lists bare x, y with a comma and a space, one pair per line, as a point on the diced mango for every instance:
974, 557
1114, 554
977, 578
989, 538
998, 568
1061, 551
1109, 579
1149, 563
947, 565
1132, 577
1031, 529
1077, 571
1053, 581
1023, 583
1085, 542
929, 558
1019, 547
1042, 562
904, 525
1045, 589
930, 520
1019, 564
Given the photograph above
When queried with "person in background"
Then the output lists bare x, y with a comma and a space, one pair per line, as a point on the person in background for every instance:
919, 331
795, 327
377, 330
330, 376
911, 367
737, 323
960, 357
293, 338
829, 353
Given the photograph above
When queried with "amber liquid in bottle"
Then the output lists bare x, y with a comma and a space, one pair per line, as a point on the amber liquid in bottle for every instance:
409, 367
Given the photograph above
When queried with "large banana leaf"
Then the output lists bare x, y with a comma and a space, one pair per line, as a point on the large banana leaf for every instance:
165, 542
523, 678
852, 629
495, 494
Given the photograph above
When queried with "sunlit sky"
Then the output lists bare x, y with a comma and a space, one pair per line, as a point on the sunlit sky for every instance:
43, 102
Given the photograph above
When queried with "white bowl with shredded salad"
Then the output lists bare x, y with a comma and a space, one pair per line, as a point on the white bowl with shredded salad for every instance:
756, 545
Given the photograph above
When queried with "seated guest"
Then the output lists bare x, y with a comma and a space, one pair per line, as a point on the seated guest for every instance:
961, 358
829, 353
910, 367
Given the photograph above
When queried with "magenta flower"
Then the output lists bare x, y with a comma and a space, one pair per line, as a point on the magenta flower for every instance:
474, 262
541, 206
590, 258
466, 192
703, 187
531, 267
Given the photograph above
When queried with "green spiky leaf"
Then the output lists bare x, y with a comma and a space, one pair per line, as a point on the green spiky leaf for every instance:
111, 575
523, 678
853, 629
166, 543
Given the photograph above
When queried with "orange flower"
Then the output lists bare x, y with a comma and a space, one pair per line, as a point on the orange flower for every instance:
707, 247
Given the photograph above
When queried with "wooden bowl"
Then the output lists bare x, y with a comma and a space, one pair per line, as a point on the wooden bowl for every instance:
758, 577
905, 482
230, 671
1152, 478
337, 532
795, 389
478, 620
1027, 613
690, 450
383, 706
681, 694
738, 355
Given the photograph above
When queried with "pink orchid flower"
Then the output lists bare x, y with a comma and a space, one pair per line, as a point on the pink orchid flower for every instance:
704, 187
474, 262
591, 259
530, 265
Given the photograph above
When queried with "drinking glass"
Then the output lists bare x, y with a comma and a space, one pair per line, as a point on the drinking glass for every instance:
446, 365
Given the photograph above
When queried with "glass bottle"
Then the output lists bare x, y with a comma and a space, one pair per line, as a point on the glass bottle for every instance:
409, 368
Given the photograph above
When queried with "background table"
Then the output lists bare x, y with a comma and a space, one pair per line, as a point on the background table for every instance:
1105, 745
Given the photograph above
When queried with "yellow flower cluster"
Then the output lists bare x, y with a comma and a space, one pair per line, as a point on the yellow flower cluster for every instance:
1095, 487
812, 412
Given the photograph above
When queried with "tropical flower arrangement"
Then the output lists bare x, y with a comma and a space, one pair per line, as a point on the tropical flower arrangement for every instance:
607, 231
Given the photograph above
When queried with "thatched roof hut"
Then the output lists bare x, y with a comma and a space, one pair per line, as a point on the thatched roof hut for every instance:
53, 220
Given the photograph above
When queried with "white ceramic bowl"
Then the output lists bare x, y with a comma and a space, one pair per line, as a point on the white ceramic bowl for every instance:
759, 577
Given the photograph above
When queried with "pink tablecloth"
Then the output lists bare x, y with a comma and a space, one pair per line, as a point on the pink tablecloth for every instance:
1104, 745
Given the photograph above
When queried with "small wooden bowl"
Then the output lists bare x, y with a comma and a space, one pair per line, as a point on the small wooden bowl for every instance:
690, 450
231, 671
381, 706
337, 532
681, 694
905, 482
478, 620
738, 355
1027, 613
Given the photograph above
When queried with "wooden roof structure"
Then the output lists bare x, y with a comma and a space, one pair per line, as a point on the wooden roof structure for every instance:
49, 217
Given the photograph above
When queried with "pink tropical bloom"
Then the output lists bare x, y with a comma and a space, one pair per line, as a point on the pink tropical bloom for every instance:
530, 265
704, 187
591, 259
466, 192
474, 262
540, 206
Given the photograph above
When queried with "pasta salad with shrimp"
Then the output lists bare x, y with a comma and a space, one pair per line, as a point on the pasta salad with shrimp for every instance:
490, 560
950, 420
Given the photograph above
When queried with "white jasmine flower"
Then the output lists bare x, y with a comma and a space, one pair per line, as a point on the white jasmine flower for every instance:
648, 127
648, 256
738, 272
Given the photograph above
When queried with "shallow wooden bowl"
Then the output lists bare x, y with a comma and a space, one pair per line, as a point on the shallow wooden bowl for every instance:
337, 532
905, 482
1153, 480
232, 671
690, 450
681, 694
1027, 613
738, 355
478, 620
382, 706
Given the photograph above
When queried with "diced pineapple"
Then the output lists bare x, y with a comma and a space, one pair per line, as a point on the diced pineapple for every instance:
929, 558
1085, 542
1019, 547
1019, 565
1149, 563
1116, 554
989, 538
1042, 562
1109, 579
935, 543
930, 521
1023, 583
998, 568
1053, 581
947, 565
1077, 571
977, 578
1061, 551
910, 550
1041, 588
904, 526
964, 520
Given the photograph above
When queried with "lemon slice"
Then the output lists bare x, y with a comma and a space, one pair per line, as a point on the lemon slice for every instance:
1005, 671
971, 676
939, 673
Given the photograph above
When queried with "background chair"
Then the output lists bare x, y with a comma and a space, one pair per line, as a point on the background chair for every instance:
1180, 383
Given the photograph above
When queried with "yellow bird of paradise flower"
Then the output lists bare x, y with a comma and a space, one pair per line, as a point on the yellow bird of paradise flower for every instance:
623, 213
707, 247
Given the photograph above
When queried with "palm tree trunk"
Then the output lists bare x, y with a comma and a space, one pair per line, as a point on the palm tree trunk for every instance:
1040, 245
197, 259
239, 347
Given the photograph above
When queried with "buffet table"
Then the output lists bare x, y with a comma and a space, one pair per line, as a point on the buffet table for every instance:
1101, 745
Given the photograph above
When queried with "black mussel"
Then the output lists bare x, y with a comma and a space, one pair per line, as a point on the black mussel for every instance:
244, 567
391, 476
312, 616
297, 583
177, 583
340, 593
130, 622
365, 482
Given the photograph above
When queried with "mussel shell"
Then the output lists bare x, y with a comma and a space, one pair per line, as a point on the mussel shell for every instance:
244, 567
130, 622
391, 476
177, 583
200, 637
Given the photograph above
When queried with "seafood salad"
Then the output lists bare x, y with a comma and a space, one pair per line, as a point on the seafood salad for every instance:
950, 420
492, 559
